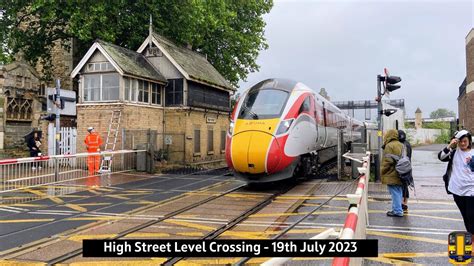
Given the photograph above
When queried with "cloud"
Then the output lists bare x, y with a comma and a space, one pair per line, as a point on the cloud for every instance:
343, 45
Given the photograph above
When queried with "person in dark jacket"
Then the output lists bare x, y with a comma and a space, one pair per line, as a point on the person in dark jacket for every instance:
402, 137
390, 175
459, 176
34, 143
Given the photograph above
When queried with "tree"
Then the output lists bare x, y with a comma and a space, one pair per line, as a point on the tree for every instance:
230, 33
441, 113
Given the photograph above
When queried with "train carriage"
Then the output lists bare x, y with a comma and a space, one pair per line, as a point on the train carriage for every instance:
281, 128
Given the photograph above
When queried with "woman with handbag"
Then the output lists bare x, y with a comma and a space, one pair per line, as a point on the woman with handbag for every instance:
459, 177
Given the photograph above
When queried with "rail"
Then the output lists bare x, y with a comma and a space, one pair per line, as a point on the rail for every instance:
22, 173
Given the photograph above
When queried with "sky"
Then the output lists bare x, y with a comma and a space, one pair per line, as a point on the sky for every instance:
342, 45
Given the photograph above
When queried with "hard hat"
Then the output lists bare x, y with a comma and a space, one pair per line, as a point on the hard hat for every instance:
461, 134
90, 129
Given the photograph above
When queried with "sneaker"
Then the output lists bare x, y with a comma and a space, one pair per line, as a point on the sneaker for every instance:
405, 208
392, 214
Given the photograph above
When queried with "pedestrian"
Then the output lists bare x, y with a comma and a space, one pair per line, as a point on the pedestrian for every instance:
389, 174
93, 142
33, 142
402, 137
459, 176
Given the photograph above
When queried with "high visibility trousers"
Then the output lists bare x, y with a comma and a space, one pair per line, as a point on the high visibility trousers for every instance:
93, 164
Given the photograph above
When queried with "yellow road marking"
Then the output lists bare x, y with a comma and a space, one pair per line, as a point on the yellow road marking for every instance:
145, 235
22, 205
75, 207
190, 225
152, 261
117, 197
197, 234
415, 255
42, 194
79, 238
26, 221
434, 217
91, 190
94, 204
95, 218
20, 263
407, 237
370, 211
146, 202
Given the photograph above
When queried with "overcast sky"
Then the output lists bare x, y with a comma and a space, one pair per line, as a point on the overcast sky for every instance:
343, 45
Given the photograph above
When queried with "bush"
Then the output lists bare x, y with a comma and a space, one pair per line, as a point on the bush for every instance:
437, 125
444, 137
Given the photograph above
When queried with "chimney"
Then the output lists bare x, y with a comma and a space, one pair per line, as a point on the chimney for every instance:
418, 118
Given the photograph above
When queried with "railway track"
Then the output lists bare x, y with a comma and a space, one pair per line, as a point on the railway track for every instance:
12, 252
238, 218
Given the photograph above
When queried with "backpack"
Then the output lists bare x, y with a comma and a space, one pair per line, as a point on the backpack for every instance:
403, 167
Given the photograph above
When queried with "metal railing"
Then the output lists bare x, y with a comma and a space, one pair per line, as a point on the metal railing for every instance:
357, 218
21, 173
356, 221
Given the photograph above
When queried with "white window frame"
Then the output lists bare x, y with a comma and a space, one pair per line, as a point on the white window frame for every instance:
100, 89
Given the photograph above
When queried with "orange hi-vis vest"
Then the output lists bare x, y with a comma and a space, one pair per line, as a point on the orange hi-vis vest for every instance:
93, 142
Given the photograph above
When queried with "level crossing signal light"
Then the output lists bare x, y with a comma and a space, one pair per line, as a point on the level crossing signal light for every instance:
388, 112
389, 82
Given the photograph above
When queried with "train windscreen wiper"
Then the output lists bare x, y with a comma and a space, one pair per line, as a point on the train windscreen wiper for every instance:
245, 108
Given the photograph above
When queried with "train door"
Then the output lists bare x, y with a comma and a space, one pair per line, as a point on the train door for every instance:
315, 113
324, 128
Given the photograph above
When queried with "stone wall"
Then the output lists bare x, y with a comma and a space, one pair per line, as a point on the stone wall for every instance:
466, 101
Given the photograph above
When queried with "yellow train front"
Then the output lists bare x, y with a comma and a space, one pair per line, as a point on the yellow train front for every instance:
280, 129
460, 247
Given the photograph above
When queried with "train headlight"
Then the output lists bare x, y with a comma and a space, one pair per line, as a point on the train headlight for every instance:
231, 127
284, 126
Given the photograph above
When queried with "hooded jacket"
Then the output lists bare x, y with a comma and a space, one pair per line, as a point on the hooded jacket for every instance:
391, 146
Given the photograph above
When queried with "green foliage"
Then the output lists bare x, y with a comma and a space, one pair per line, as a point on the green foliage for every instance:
233, 100
409, 125
437, 125
231, 33
444, 137
441, 113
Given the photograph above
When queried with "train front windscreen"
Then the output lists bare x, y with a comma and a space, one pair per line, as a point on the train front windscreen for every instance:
263, 104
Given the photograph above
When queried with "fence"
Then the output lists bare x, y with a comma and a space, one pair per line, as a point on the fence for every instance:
67, 143
168, 146
17, 174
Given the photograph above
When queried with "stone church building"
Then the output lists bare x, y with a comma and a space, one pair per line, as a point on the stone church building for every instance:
163, 87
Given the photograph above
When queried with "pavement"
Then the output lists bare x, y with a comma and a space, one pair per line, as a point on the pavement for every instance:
421, 236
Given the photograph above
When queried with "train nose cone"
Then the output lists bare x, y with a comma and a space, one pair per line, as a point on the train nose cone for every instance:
250, 150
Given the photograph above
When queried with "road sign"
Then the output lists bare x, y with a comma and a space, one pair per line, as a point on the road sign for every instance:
168, 139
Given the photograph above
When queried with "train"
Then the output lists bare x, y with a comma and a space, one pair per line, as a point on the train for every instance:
281, 129
460, 247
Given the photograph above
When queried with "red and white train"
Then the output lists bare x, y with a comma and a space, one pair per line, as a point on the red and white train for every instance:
281, 129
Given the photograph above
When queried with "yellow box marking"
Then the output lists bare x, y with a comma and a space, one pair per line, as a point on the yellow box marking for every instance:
95, 218
407, 237
117, 197
79, 238
26, 221
75, 207
190, 225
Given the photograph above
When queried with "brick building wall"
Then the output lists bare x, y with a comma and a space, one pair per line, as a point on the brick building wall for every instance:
180, 124
466, 100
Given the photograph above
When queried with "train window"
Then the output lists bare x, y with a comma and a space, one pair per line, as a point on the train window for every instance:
305, 106
263, 104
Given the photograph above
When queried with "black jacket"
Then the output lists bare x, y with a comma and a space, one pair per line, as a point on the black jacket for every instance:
31, 143
449, 169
